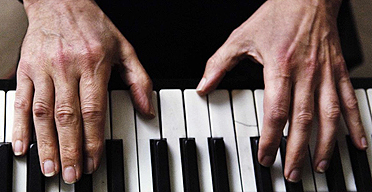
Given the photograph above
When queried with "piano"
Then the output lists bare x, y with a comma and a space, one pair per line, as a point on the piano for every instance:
194, 144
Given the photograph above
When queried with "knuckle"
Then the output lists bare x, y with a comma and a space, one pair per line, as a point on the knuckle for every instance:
21, 104
305, 118
92, 112
42, 110
65, 114
278, 114
352, 103
333, 111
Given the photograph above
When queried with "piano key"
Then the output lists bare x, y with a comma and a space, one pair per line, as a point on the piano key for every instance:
173, 128
189, 165
85, 184
320, 178
365, 113
123, 127
52, 183
290, 186
245, 127
360, 167
160, 165
334, 173
222, 126
262, 174
2, 116
19, 163
6, 167
35, 178
276, 169
218, 157
99, 179
146, 130
115, 167
197, 123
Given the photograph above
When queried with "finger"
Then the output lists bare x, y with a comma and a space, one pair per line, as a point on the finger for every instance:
350, 108
22, 114
43, 113
225, 58
135, 76
68, 121
276, 108
93, 99
301, 119
329, 116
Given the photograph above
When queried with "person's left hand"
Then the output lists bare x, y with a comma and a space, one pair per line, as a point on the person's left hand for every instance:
304, 73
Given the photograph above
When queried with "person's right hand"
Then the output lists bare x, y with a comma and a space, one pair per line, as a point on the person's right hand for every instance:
62, 76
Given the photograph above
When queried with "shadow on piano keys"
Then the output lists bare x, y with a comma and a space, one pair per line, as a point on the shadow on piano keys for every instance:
194, 144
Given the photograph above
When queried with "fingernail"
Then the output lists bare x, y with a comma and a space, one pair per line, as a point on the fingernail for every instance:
364, 142
89, 166
18, 148
201, 84
267, 161
152, 110
49, 168
295, 175
69, 175
322, 166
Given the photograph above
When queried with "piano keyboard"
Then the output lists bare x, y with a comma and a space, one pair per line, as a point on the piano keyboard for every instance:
194, 144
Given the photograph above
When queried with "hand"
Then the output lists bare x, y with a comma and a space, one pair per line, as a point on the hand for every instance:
63, 73
304, 72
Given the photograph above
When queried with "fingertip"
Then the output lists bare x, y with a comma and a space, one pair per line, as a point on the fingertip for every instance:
18, 148
200, 87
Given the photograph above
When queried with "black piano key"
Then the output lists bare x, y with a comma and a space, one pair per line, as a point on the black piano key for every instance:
115, 165
334, 174
217, 157
262, 174
290, 186
6, 167
35, 178
189, 165
160, 165
85, 184
360, 166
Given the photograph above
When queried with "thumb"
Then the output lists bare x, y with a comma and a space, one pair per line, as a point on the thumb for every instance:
225, 59
135, 76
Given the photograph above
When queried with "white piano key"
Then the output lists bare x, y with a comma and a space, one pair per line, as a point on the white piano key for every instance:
345, 158
366, 120
320, 178
173, 128
146, 130
123, 127
197, 123
19, 163
52, 184
222, 126
245, 127
99, 178
276, 169
65, 187
2, 116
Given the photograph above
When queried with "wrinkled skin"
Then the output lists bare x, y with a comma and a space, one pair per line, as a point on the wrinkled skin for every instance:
63, 74
305, 76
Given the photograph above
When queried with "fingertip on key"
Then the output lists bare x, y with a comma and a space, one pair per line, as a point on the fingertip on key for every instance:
18, 148
49, 168
322, 166
267, 160
69, 175
88, 166
294, 176
364, 143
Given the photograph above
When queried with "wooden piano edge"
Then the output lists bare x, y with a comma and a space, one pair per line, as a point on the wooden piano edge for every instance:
229, 84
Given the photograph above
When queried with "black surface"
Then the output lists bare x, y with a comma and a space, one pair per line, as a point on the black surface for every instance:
262, 174
160, 165
85, 184
290, 186
6, 167
217, 156
359, 163
35, 178
115, 165
189, 165
334, 173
